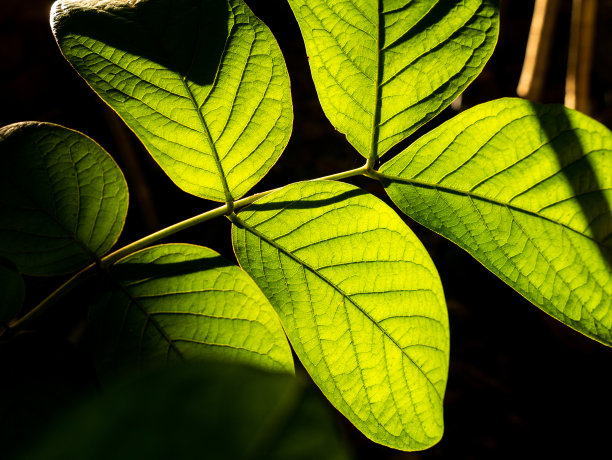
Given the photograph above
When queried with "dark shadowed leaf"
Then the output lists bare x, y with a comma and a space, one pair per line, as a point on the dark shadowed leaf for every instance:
215, 411
63, 198
178, 301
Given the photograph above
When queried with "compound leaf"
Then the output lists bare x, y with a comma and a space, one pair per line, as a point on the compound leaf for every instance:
210, 410
382, 68
202, 83
526, 189
179, 301
361, 302
63, 198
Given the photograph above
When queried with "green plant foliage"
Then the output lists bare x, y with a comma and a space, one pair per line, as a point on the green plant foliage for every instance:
361, 302
12, 291
63, 198
178, 301
384, 68
526, 189
213, 411
202, 83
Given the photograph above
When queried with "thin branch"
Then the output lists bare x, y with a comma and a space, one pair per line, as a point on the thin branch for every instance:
106, 261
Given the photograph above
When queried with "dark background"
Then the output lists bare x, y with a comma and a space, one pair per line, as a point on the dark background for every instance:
520, 382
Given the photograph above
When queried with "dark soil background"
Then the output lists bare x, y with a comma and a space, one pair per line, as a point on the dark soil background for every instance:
520, 382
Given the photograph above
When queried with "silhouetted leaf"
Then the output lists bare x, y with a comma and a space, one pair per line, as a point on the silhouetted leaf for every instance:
212, 411
63, 198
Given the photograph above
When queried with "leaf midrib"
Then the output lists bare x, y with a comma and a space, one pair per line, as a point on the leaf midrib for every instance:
296, 259
207, 136
196, 107
71, 236
383, 177
374, 153
154, 38
375, 129
149, 317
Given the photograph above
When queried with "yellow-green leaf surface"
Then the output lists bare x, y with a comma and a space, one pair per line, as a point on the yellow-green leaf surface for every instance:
526, 189
382, 68
63, 200
202, 83
361, 302
179, 301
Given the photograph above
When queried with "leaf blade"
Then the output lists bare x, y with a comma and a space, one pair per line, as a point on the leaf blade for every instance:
202, 84
513, 174
382, 69
64, 199
179, 301
334, 286
234, 411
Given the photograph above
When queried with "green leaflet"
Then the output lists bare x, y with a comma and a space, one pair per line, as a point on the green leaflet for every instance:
201, 82
382, 68
361, 302
176, 301
526, 189
202, 411
63, 198
12, 291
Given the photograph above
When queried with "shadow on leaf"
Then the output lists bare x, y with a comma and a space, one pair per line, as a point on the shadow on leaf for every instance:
133, 271
579, 172
176, 34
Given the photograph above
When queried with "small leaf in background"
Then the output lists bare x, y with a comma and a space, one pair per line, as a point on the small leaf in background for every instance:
212, 410
63, 198
179, 301
361, 302
384, 68
202, 83
12, 291
527, 190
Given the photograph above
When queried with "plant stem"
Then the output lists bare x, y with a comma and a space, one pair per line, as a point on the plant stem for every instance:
108, 260
374, 174
217, 212
165, 232
52, 299
343, 175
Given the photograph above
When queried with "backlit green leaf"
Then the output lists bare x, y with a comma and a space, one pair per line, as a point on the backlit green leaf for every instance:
382, 68
526, 189
207, 410
63, 198
177, 301
201, 82
361, 302
12, 291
